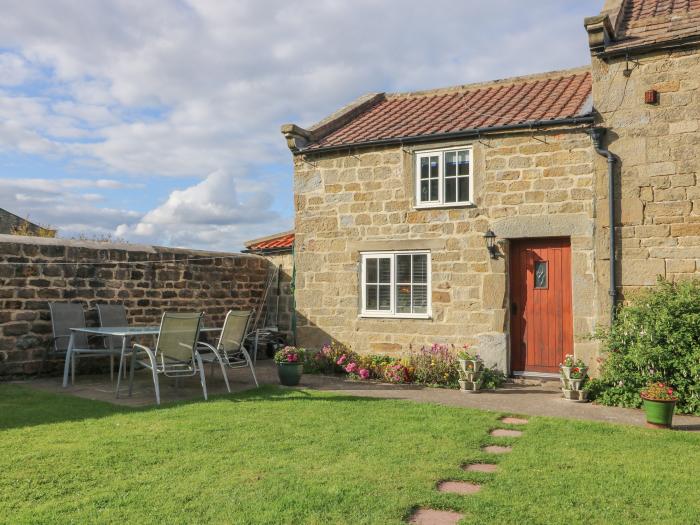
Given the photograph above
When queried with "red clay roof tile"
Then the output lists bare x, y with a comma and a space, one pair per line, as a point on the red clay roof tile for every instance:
654, 21
278, 242
553, 96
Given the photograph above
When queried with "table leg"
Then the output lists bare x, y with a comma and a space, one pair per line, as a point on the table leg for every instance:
69, 357
121, 364
111, 358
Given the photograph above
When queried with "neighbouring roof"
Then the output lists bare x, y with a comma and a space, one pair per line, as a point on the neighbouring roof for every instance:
9, 221
650, 23
279, 242
521, 101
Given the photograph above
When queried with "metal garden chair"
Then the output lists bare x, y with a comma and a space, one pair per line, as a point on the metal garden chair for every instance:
65, 316
110, 316
175, 354
229, 350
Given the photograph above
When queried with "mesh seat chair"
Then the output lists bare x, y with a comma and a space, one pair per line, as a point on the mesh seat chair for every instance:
65, 316
111, 316
175, 354
229, 350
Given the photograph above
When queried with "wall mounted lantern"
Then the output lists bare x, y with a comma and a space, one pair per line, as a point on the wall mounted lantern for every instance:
490, 238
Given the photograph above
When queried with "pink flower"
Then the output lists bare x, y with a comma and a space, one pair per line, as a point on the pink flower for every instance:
364, 373
351, 368
291, 358
342, 359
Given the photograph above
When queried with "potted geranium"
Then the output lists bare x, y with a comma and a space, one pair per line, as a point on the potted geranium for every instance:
574, 374
470, 369
290, 365
659, 402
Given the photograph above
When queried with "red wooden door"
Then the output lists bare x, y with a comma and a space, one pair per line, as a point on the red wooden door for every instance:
541, 324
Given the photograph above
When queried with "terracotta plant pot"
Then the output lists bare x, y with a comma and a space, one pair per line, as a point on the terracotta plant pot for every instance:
659, 412
290, 373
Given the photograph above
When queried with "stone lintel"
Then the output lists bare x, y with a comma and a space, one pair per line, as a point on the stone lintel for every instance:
396, 245
559, 225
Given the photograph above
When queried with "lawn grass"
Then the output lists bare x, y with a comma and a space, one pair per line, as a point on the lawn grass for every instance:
288, 456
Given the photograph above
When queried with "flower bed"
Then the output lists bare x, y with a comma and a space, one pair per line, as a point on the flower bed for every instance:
434, 365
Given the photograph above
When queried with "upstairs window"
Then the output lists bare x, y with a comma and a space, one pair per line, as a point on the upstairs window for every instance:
444, 178
396, 284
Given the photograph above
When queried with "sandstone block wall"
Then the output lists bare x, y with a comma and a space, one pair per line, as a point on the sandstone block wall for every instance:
146, 279
658, 146
526, 185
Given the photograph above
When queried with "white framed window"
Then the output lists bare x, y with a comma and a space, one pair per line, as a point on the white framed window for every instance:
395, 284
444, 177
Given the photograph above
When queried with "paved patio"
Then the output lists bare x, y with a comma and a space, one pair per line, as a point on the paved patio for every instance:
543, 399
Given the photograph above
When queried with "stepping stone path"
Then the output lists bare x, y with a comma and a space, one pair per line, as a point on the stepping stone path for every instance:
481, 467
513, 421
502, 432
435, 517
497, 449
448, 517
458, 487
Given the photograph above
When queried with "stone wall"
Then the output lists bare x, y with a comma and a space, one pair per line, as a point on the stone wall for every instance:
526, 185
658, 145
148, 280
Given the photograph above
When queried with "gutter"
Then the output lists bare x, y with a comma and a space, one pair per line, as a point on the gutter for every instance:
597, 136
469, 133
688, 41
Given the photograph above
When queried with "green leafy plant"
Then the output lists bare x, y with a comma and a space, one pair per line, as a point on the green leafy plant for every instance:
492, 378
655, 338
467, 355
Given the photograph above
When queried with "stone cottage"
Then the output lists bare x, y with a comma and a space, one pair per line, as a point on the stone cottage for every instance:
482, 213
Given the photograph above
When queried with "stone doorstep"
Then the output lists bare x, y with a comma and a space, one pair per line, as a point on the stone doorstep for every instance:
504, 432
497, 449
458, 487
435, 517
487, 468
513, 420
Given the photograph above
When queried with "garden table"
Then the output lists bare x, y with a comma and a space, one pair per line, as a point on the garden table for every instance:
112, 333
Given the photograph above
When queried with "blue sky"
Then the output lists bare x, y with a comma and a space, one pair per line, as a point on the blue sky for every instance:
158, 121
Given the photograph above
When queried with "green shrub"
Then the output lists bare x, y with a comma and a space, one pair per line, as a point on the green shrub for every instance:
492, 378
656, 337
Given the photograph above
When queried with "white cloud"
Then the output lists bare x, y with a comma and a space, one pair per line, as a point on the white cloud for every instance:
13, 70
209, 214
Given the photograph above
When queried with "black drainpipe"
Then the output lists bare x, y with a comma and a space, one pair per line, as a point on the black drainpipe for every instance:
597, 136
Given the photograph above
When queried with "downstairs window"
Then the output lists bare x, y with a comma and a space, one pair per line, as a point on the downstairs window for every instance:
395, 284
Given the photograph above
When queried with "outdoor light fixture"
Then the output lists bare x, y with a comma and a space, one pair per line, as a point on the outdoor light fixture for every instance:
491, 244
